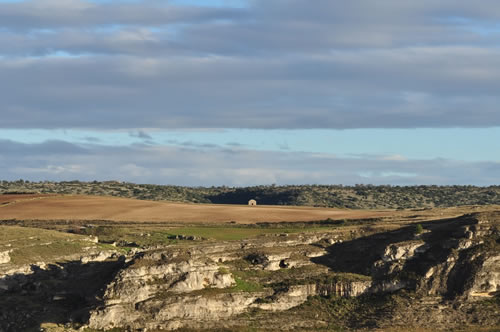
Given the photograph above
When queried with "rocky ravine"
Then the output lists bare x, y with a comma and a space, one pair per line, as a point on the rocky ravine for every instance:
200, 286
203, 284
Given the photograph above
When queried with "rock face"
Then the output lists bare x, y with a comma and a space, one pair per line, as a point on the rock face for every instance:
174, 287
487, 280
171, 288
165, 272
173, 311
218, 284
4, 257
42, 293
345, 289
465, 263
98, 256
288, 298
403, 250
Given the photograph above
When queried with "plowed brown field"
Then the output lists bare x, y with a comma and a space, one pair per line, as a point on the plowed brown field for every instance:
122, 209
12, 198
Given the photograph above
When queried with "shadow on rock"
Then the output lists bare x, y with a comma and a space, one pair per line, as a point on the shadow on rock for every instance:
62, 293
444, 258
358, 255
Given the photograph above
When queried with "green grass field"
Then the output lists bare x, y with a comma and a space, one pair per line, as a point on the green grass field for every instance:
154, 235
234, 233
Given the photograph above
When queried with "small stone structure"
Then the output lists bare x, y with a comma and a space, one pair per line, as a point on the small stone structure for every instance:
252, 202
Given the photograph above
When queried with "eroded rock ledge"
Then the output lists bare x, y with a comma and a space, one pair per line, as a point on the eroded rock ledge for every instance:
203, 284
206, 284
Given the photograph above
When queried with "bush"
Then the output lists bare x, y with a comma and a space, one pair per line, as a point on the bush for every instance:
419, 229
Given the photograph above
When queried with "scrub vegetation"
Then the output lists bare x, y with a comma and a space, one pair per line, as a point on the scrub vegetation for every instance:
353, 197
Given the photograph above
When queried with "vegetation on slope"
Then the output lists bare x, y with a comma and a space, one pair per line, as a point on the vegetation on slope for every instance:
30, 245
355, 197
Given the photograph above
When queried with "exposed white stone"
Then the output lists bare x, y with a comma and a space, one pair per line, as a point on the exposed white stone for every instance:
195, 280
345, 288
487, 280
403, 250
293, 297
5, 256
99, 256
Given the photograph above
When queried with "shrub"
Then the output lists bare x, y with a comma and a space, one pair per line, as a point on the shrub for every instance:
419, 229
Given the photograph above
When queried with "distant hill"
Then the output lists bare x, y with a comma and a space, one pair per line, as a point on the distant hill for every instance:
355, 197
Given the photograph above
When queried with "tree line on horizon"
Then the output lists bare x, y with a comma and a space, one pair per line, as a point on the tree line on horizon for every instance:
361, 196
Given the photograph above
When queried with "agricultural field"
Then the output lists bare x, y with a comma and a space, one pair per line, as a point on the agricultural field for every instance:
217, 267
333, 196
74, 207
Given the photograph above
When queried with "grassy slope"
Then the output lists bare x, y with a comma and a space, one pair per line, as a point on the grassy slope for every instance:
30, 245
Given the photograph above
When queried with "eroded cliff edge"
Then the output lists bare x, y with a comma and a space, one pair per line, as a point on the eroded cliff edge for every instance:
451, 263
443, 275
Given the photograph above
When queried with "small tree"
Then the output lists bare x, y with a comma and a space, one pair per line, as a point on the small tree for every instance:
419, 229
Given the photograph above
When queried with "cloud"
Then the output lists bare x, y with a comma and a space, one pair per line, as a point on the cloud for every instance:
190, 144
92, 139
395, 157
196, 166
141, 134
380, 89
48, 148
269, 64
235, 144
50, 170
51, 14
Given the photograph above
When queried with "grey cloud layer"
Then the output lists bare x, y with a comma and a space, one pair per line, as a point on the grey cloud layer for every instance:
46, 14
273, 64
231, 166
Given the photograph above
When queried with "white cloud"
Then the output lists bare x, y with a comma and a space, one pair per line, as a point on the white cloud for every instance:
218, 166
49, 170
395, 157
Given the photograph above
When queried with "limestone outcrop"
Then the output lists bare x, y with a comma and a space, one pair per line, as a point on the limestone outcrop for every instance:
213, 284
170, 288
4, 257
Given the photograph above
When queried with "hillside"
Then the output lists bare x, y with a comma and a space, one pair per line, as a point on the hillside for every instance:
338, 196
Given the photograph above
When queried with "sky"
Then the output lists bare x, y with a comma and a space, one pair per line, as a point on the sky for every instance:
250, 92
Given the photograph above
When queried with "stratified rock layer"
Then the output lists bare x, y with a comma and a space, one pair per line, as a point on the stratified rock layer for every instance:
211, 283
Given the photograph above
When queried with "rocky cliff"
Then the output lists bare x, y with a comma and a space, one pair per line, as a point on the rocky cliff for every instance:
203, 285
447, 269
